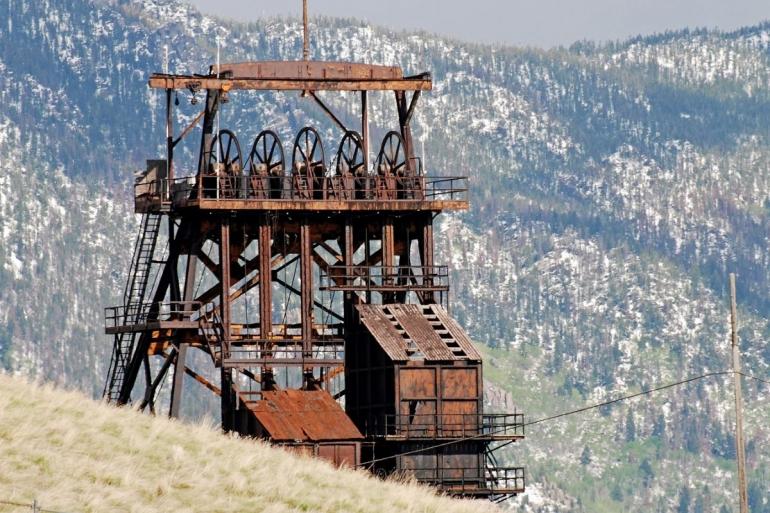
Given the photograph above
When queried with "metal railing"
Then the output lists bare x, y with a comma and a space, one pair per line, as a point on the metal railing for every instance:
180, 191
471, 480
143, 313
286, 352
446, 425
384, 278
505, 479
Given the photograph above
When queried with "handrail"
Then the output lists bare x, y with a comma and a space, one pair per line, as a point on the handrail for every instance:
471, 479
386, 278
142, 313
446, 425
368, 188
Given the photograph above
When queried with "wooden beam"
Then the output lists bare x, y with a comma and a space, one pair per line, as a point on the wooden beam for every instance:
217, 84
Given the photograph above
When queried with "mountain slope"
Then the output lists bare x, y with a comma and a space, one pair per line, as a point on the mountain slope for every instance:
613, 188
73, 454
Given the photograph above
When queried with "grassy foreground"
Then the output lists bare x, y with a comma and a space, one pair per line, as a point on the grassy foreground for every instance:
76, 455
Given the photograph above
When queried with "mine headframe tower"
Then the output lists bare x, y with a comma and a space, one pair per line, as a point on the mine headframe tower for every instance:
357, 239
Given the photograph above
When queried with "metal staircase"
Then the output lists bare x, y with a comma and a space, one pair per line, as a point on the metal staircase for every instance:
133, 296
213, 332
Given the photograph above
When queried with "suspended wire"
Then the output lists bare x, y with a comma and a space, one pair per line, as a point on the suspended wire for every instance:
627, 397
552, 417
754, 378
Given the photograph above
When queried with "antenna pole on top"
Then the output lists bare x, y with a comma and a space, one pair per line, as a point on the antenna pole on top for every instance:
305, 48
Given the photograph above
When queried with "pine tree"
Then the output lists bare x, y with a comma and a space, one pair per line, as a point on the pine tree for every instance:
684, 500
647, 473
630, 427
659, 427
585, 457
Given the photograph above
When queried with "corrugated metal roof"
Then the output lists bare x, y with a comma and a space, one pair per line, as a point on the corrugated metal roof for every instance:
303, 415
412, 332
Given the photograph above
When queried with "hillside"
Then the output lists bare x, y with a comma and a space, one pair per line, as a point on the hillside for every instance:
613, 188
74, 454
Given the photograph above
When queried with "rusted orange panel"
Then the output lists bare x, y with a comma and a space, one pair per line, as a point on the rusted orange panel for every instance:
303, 415
417, 383
417, 418
459, 383
346, 455
460, 418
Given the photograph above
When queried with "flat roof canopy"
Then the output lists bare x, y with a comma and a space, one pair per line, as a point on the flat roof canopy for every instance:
298, 76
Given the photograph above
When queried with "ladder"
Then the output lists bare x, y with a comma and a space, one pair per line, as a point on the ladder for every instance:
133, 296
212, 329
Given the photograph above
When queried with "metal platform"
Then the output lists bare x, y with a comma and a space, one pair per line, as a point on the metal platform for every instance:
432, 194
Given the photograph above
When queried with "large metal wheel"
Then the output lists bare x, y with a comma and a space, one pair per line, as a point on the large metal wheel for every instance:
350, 171
391, 161
226, 150
266, 165
350, 155
267, 155
226, 162
308, 163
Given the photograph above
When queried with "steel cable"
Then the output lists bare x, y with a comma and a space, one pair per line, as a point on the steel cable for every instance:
552, 417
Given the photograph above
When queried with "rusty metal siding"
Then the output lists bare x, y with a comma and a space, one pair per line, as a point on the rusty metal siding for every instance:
457, 333
421, 332
383, 331
303, 415
408, 332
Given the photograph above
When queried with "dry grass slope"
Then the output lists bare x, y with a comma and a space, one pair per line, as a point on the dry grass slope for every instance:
76, 455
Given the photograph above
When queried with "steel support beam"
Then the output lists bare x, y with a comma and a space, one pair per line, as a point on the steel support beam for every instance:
365, 128
426, 253
178, 382
306, 294
228, 401
265, 281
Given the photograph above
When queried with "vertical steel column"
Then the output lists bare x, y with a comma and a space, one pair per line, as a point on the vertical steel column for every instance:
388, 258
228, 401
406, 131
177, 388
306, 295
365, 128
347, 257
426, 253
388, 244
178, 382
169, 142
212, 106
265, 280
224, 279
266, 294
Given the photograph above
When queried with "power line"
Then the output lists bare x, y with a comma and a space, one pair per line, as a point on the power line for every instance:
552, 417
754, 377
625, 398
